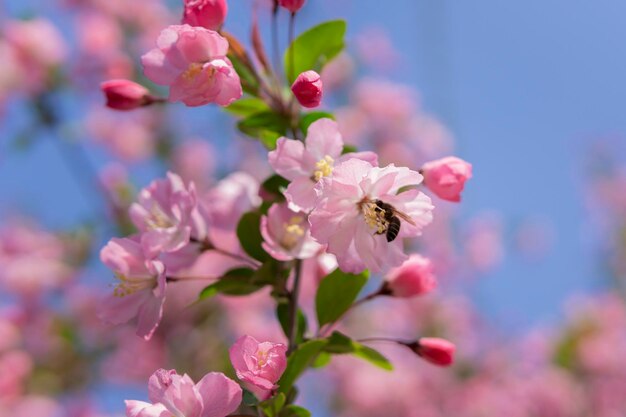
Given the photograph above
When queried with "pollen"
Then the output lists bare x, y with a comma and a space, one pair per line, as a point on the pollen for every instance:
293, 232
192, 71
324, 167
374, 217
158, 219
127, 287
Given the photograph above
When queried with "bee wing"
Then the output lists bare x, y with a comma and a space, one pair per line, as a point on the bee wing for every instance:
404, 217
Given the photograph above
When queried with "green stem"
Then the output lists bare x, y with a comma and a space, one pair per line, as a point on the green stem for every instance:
293, 307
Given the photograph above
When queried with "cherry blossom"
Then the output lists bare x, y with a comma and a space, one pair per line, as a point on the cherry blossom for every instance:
193, 62
305, 164
140, 291
350, 220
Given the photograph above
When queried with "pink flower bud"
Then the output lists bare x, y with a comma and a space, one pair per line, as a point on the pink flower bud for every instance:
434, 350
292, 5
446, 177
206, 13
308, 89
414, 277
125, 94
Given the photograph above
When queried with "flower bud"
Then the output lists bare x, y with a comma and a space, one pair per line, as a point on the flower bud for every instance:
446, 177
414, 277
205, 13
292, 5
125, 94
434, 350
308, 89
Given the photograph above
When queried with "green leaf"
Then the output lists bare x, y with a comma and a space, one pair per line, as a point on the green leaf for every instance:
338, 343
275, 185
336, 294
315, 48
295, 411
247, 106
249, 234
249, 83
266, 126
348, 149
308, 118
234, 282
299, 361
282, 312
322, 360
249, 398
273, 406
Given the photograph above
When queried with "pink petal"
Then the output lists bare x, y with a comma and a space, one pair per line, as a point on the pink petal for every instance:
149, 316
323, 138
287, 159
220, 395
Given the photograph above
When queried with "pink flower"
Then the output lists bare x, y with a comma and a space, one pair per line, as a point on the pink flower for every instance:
305, 164
125, 94
308, 89
361, 212
446, 177
258, 365
435, 350
140, 291
167, 215
174, 395
286, 234
292, 5
206, 13
414, 277
193, 62
224, 205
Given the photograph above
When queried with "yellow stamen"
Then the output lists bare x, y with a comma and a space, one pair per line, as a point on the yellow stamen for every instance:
324, 168
294, 232
374, 217
127, 286
192, 71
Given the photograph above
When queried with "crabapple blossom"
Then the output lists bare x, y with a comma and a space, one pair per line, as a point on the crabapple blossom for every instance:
225, 203
167, 215
292, 5
305, 164
259, 365
215, 395
349, 218
307, 88
206, 13
140, 291
414, 277
446, 177
125, 94
193, 62
286, 234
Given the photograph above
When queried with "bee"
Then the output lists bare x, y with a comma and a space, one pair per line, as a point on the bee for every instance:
392, 218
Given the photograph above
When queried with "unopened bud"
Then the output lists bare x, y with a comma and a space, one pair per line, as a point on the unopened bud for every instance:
446, 177
434, 350
209, 14
308, 89
125, 94
414, 277
292, 5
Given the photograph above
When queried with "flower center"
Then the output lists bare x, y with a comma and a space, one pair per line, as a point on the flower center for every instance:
293, 232
158, 219
324, 167
192, 71
128, 286
375, 216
